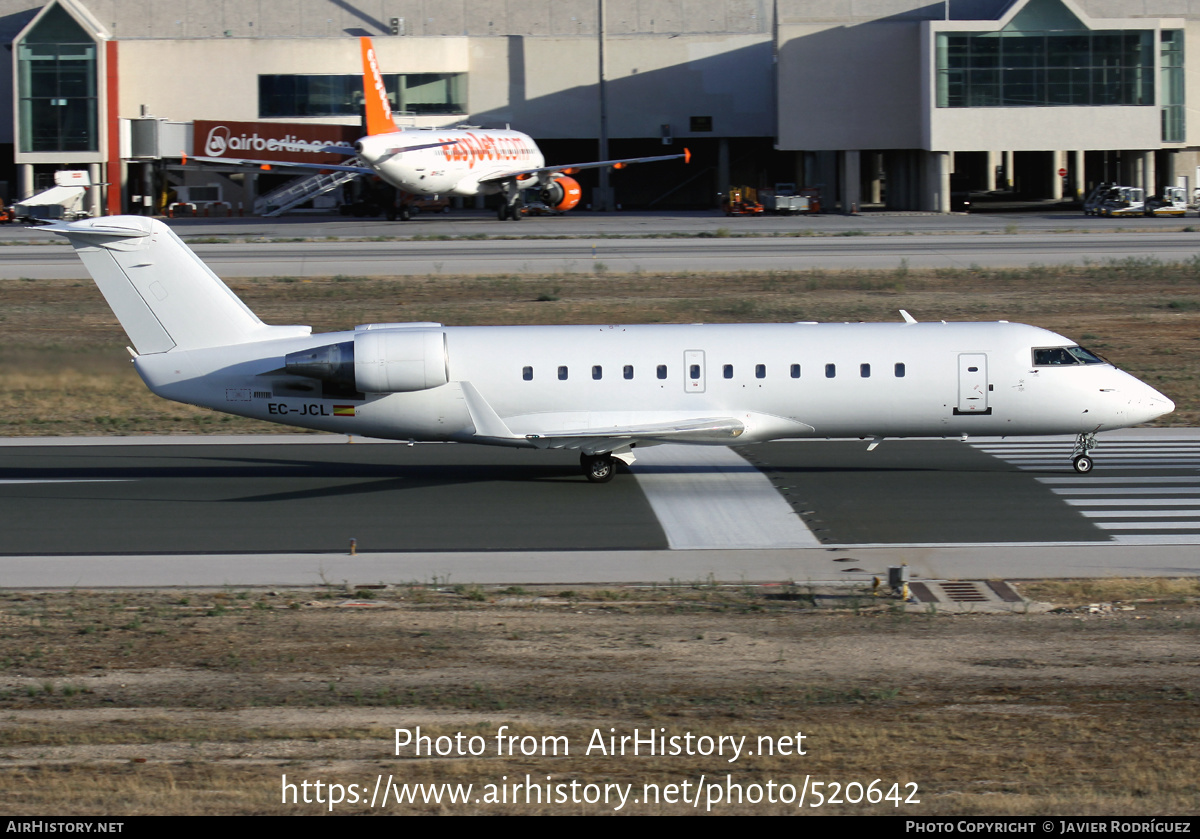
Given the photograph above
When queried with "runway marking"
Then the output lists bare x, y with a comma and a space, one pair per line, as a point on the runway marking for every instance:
709, 497
1132, 490
1163, 502
1118, 514
1089, 480
1133, 502
62, 480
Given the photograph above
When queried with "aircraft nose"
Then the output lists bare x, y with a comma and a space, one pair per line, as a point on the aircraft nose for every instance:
1149, 405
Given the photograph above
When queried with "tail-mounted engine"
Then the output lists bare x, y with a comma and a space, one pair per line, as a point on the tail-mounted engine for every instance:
393, 360
561, 194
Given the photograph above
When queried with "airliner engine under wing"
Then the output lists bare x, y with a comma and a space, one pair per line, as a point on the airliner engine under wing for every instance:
461, 162
603, 390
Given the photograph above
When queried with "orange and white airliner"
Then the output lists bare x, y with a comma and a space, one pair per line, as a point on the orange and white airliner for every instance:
461, 162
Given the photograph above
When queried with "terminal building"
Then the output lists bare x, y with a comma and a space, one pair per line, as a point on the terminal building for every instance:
875, 102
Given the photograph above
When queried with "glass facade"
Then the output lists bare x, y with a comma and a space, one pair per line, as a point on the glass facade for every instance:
1045, 68
57, 86
336, 96
1171, 44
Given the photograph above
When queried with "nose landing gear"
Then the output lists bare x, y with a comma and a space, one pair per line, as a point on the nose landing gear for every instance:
1081, 456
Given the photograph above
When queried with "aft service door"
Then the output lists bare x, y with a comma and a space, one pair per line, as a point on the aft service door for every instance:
693, 371
972, 384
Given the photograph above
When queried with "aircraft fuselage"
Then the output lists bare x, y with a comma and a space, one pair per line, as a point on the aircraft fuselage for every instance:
777, 380
455, 168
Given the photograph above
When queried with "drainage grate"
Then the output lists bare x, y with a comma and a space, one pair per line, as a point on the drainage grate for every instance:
964, 592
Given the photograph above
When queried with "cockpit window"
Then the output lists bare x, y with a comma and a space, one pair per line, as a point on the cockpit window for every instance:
1055, 356
1085, 356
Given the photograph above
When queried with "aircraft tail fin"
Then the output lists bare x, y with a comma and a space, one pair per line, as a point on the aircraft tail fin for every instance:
375, 100
163, 295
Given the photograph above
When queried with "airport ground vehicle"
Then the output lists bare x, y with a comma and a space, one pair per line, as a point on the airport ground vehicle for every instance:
62, 202
1099, 193
785, 199
741, 201
1171, 202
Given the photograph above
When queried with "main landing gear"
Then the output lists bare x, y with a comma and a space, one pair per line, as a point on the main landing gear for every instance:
509, 211
1081, 457
598, 468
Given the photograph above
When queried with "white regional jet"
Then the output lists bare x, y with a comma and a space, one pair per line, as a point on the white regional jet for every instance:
602, 390
462, 162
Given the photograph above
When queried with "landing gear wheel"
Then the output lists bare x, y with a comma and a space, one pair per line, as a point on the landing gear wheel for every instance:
1083, 464
405, 213
599, 468
502, 213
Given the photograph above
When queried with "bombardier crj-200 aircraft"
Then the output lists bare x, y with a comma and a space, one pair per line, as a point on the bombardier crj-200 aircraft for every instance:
602, 390
462, 162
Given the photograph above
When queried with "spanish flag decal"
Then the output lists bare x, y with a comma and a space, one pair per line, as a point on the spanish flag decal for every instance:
343, 410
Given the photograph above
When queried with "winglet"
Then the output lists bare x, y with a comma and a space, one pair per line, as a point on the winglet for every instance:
375, 100
907, 317
687, 155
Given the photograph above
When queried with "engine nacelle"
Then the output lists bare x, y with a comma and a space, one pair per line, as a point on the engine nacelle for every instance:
389, 360
399, 360
561, 194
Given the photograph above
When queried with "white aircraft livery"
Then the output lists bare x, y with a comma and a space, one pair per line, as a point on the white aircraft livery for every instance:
602, 390
461, 162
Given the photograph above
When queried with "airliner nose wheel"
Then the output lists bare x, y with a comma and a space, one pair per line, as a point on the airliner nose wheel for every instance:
1082, 456
599, 468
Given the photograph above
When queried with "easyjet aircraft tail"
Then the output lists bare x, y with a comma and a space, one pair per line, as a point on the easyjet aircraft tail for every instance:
378, 108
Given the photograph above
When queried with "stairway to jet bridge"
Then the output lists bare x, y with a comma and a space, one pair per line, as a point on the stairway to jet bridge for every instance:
297, 191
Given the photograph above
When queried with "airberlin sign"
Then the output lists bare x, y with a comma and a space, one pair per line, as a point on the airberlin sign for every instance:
282, 141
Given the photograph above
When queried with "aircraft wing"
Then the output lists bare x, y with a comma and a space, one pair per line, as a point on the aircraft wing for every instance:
281, 164
682, 429
570, 168
707, 430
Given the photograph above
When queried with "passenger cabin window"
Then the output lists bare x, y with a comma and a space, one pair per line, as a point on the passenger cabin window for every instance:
562, 374
629, 371
527, 374
900, 370
727, 371
864, 370
760, 371
830, 371
795, 371
662, 371
597, 372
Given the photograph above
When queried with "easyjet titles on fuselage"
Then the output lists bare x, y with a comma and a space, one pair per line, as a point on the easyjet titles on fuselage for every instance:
473, 148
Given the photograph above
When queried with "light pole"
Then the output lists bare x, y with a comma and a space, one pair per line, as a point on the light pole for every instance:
602, 200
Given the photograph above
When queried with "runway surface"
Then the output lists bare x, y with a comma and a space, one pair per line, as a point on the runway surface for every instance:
583, 255
254, 510
464, 223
